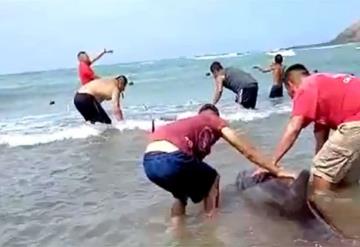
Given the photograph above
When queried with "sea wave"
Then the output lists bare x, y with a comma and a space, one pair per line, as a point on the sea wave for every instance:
284, 53
24, 139
36, 130
325, 47
216, 56
251, 115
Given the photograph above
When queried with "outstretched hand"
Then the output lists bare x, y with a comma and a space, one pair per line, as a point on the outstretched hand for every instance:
281, 173
108, 51
286, 174
259, 171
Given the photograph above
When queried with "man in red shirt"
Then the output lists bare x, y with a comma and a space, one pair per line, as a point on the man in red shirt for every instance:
331, 102
174, 159
86, 73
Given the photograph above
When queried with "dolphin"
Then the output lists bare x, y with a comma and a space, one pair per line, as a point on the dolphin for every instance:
290, 197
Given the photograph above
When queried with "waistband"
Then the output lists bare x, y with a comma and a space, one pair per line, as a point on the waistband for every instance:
84, 94
251, 85
157, 154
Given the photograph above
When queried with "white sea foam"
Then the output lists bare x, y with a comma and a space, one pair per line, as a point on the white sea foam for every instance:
146, 63
216, 56
138, 124
24, 139
325, 47
250, 115
284, 53
35, 130
357, 48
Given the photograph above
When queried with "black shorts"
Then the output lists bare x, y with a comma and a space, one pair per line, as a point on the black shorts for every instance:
180, 174
90, 109
248, 96
276, 91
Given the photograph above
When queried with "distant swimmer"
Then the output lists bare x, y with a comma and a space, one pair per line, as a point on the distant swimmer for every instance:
86, 73
174, 159
277, 70
89, 97
241, 83
331, 102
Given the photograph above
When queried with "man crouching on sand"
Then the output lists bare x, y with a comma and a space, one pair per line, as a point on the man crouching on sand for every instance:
89, 97
174, 159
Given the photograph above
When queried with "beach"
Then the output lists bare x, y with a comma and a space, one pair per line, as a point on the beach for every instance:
67, 183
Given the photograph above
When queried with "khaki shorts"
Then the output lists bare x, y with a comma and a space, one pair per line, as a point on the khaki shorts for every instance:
339, 158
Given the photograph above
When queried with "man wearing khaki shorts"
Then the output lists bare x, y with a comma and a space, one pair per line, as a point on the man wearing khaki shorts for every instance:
331, 102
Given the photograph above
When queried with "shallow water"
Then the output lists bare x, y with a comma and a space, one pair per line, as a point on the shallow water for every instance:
65, 183
93, 192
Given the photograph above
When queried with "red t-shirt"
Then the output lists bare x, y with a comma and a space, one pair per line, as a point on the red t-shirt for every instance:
86, 73
194, 135
328, 99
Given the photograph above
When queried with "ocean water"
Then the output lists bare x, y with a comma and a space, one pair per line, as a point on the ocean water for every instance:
66, 183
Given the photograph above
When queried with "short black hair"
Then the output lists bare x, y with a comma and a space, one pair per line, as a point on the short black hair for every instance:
81, 53
210, 107
295, 67
278, 58
215, 66
123, 78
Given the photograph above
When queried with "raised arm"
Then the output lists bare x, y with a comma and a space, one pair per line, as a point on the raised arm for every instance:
218, 88
116, 105
289, 137
244, 147
100, 55
264, 70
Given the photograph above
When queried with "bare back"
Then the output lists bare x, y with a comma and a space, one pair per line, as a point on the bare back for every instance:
277, 74
102, 89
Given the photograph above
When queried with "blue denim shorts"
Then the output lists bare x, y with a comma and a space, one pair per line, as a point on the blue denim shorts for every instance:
180, 174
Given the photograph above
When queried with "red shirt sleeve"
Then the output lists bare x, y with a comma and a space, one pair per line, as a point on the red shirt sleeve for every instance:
305, 103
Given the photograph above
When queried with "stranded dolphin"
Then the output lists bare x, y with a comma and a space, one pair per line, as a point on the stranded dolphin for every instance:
290, 197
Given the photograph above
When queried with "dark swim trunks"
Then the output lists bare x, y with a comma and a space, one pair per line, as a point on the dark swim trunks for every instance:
90, 109
276, 91
180, 174
248, 96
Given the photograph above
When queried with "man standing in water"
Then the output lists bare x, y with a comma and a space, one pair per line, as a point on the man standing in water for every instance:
174, 159
241, 83
86, 73
331, 102
89, 97
277, 70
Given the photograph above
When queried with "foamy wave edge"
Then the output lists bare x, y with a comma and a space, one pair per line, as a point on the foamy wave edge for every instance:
217, 56
284, 53
81, 132
86, 130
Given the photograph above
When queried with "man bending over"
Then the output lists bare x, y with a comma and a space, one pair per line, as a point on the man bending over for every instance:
331, 102
89, 97
174, 159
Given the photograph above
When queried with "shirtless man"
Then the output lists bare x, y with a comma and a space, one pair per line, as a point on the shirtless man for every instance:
88, 99
174, 159
277, 70
86, 73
